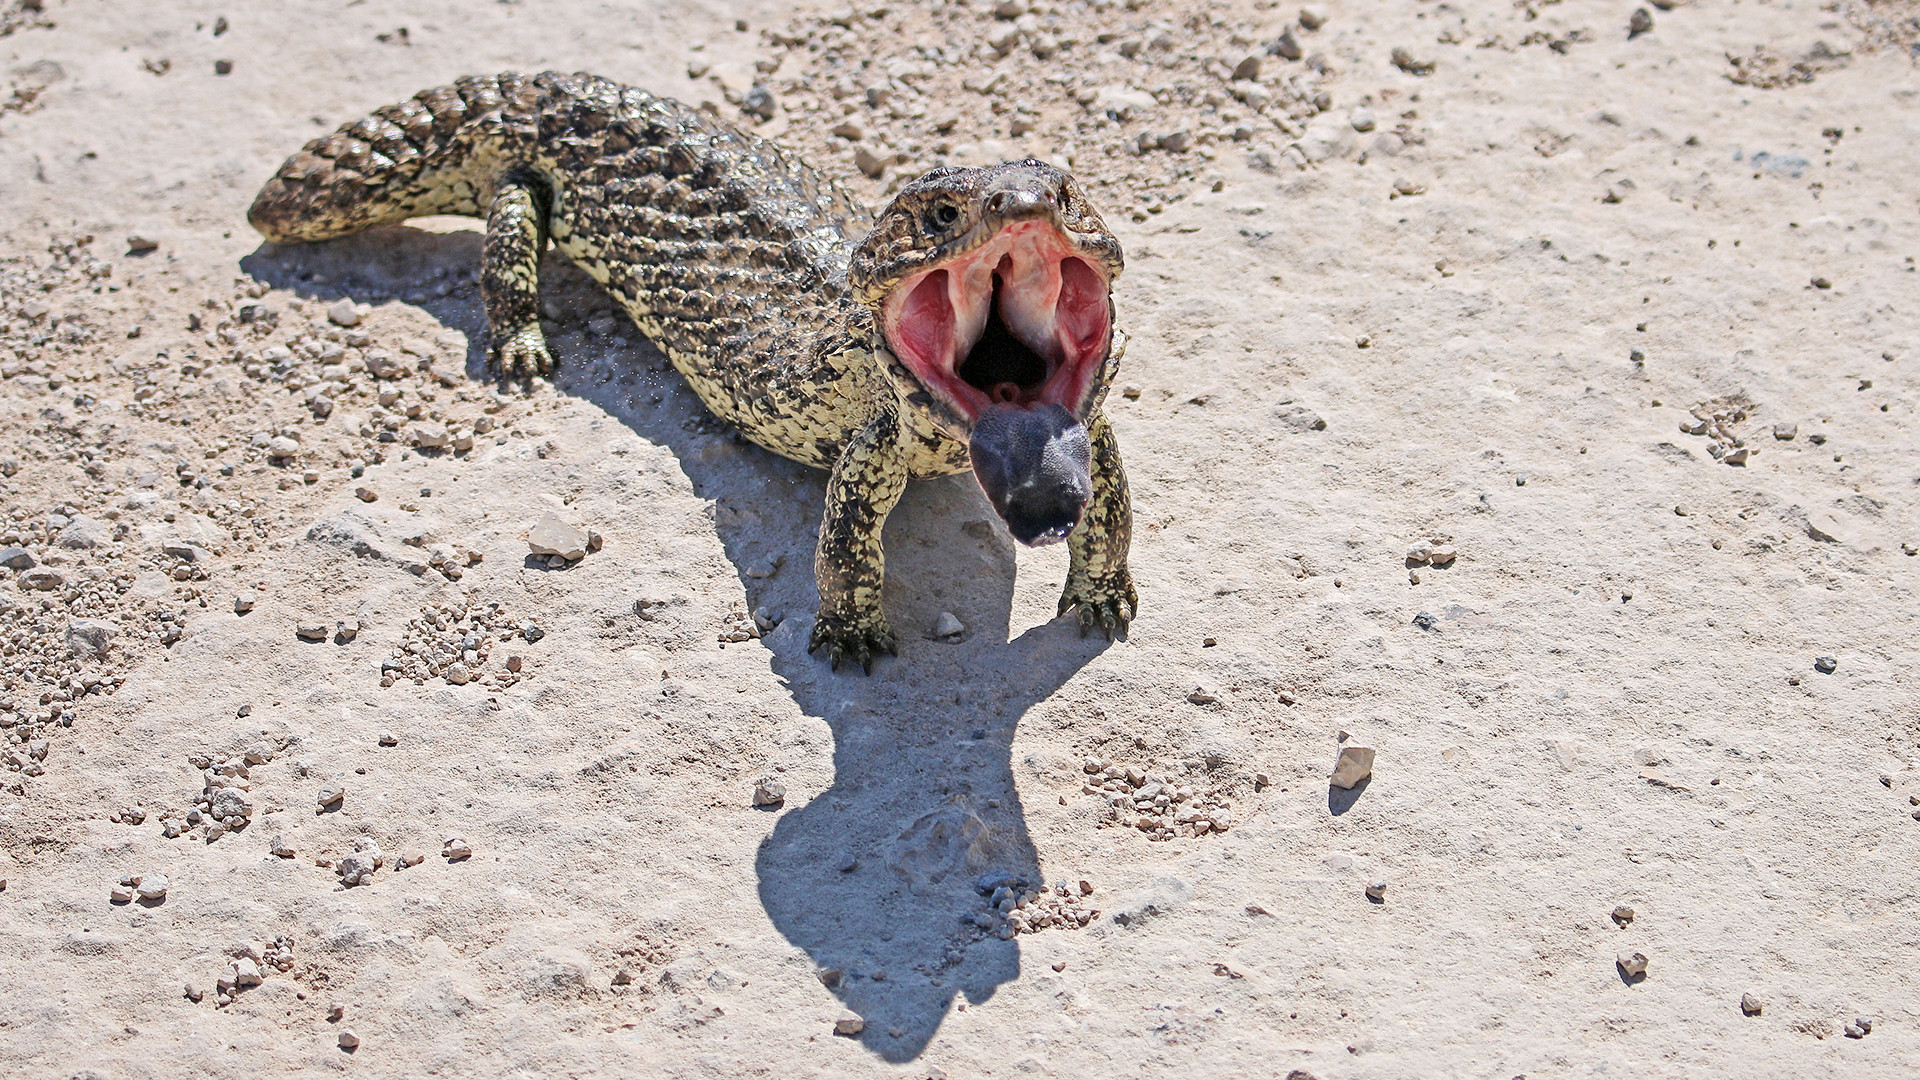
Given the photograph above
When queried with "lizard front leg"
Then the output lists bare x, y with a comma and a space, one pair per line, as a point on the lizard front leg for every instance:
848, 564
510, 279
1098, 583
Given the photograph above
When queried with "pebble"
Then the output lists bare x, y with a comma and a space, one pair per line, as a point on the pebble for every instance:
1821, 283
152, 886
1247, 68
947, 626
1286, 47
759, 101
552, 536
348, 1040
121, 893
89, 638
1420, 552
330, 795
343, 313
1377, 890
42, 579
455, 849
849, 1024
410, 857
16, 558
1640, 22
311, 630
1361, 119
388, 738
1825, 665
1355, 765
1750, 1005
769, 792
1632, 964
1622, 915
138, 242
1313, 16
357, 868
869, 161
1786, 432
1859, 1028
242, 604
280, 848
1520, 480
365, 494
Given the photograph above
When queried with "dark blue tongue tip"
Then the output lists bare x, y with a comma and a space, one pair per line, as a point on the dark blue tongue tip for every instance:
1035, 464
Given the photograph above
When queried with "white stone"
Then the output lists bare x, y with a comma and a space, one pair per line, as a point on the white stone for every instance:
947, 626
849, 1024
769, 792
552, 536
456, 848
1632, 964
343, 313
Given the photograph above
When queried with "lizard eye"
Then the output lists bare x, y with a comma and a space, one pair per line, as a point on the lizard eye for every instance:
943, 216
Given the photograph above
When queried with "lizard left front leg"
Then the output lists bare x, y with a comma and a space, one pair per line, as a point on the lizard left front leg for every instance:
848, 564
1099, 586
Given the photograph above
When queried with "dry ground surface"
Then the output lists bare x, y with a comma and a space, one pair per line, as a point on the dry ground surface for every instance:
1629, 323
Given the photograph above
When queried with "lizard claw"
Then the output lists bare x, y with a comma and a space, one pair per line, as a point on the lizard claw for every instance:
856, 638
1107, 603
520, 355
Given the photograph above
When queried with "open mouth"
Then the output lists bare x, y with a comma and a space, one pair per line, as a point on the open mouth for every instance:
1022, 320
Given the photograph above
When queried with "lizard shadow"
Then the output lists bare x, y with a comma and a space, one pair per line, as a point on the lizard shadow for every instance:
875, 877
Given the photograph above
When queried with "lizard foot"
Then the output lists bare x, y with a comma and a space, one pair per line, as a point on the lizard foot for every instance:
1107, 602
521, 354
855, 638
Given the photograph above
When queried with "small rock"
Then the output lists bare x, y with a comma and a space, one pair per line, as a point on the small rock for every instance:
1821, 283
139, 242
947, 627
411, 857
343, 313
89, 638
1640, 22
1520, 480
195, 993
365, 494
1786, 432
121, 893
1313, 16
457, 674
348, 1040
1247, 68
552, 536
869, 162
1405, 187
759, 101
1355, 765
1826, 665
388, 738
1859, 1028
1751, 1005
357, 868
242, 604
1286, 47
1622, 915
1377, 890
1361, 119
1420, 553
1297, 417
769, 792
42, 579
16, 558
1443, 554
455, 849
312, 630
430, 436
849, 1024
152, 887
279, 848
1632, 964
330, 795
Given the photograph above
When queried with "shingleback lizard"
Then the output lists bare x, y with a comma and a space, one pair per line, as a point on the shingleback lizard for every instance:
969, 326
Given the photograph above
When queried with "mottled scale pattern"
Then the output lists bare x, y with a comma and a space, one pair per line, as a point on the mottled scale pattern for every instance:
695, 227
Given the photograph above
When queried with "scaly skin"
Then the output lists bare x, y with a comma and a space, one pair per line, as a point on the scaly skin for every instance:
732, 258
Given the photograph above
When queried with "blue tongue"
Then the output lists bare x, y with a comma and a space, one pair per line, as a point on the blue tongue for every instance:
1036, 466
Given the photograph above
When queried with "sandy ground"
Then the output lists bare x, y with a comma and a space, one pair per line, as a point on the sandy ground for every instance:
1549, 254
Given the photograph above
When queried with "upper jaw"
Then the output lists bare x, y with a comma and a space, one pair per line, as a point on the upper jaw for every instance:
1021, 315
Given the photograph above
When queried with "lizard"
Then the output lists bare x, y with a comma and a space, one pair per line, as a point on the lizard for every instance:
969, 325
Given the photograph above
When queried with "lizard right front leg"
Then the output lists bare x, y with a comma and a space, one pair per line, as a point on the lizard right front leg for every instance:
848, 564
510, 280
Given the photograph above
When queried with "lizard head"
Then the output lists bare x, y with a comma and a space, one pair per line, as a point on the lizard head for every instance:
991, 290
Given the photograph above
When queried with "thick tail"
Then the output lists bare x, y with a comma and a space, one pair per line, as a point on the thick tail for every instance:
435, 154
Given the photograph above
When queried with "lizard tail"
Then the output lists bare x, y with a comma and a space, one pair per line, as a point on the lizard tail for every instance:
435, 154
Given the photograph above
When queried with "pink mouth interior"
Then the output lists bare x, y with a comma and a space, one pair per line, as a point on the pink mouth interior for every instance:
1022, 320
